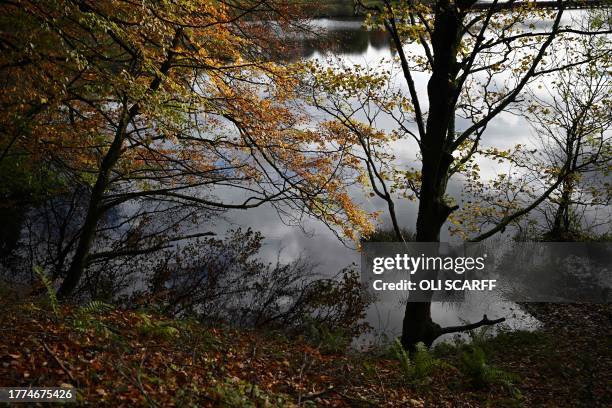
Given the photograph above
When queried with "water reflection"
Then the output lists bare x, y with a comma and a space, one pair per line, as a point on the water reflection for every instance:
350, 42
386, 318
338, 37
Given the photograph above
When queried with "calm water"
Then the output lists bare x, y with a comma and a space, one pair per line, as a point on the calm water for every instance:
346, 42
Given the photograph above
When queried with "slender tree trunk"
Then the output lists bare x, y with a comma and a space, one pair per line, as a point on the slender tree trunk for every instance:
436, 159
95, 209
94, 213
562, 223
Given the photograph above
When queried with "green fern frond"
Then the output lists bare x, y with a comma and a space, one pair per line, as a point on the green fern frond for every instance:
419, 365
481, 374
480, 336
42, 276
94, 307
424, 362
403, 357
85, 318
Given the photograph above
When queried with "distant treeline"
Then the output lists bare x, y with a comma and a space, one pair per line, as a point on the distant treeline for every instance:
347, 8
334, 8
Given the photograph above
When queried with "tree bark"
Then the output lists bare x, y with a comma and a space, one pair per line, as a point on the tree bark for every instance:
436, 159
438, 140
561, 223
95, 208
94, 213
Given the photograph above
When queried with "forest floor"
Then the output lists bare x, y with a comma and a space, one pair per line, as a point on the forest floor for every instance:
120, 358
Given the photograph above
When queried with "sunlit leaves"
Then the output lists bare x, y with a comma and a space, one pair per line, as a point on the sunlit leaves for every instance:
183, 87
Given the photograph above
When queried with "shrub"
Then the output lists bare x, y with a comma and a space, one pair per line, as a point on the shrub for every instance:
223, 281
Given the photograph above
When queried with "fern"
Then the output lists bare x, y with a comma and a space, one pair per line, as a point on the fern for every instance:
42, 276
481, 336
327, 340
164, 331
481, 374
85, 319
418, 366
94, 307
423, 361
403, 357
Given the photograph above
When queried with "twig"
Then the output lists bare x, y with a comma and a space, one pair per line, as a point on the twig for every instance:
135, 380
61, 364
140, 385
301, 373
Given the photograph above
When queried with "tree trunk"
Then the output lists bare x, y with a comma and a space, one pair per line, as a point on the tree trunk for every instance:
94, 213
561, 228
436, 159
95, 210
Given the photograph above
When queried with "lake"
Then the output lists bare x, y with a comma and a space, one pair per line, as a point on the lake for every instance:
347, 42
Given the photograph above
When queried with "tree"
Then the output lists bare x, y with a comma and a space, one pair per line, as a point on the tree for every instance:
163, 105
569, 112
573, 123
478, 61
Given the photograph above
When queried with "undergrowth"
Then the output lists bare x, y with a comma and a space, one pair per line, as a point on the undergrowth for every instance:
418, 365
109, 332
